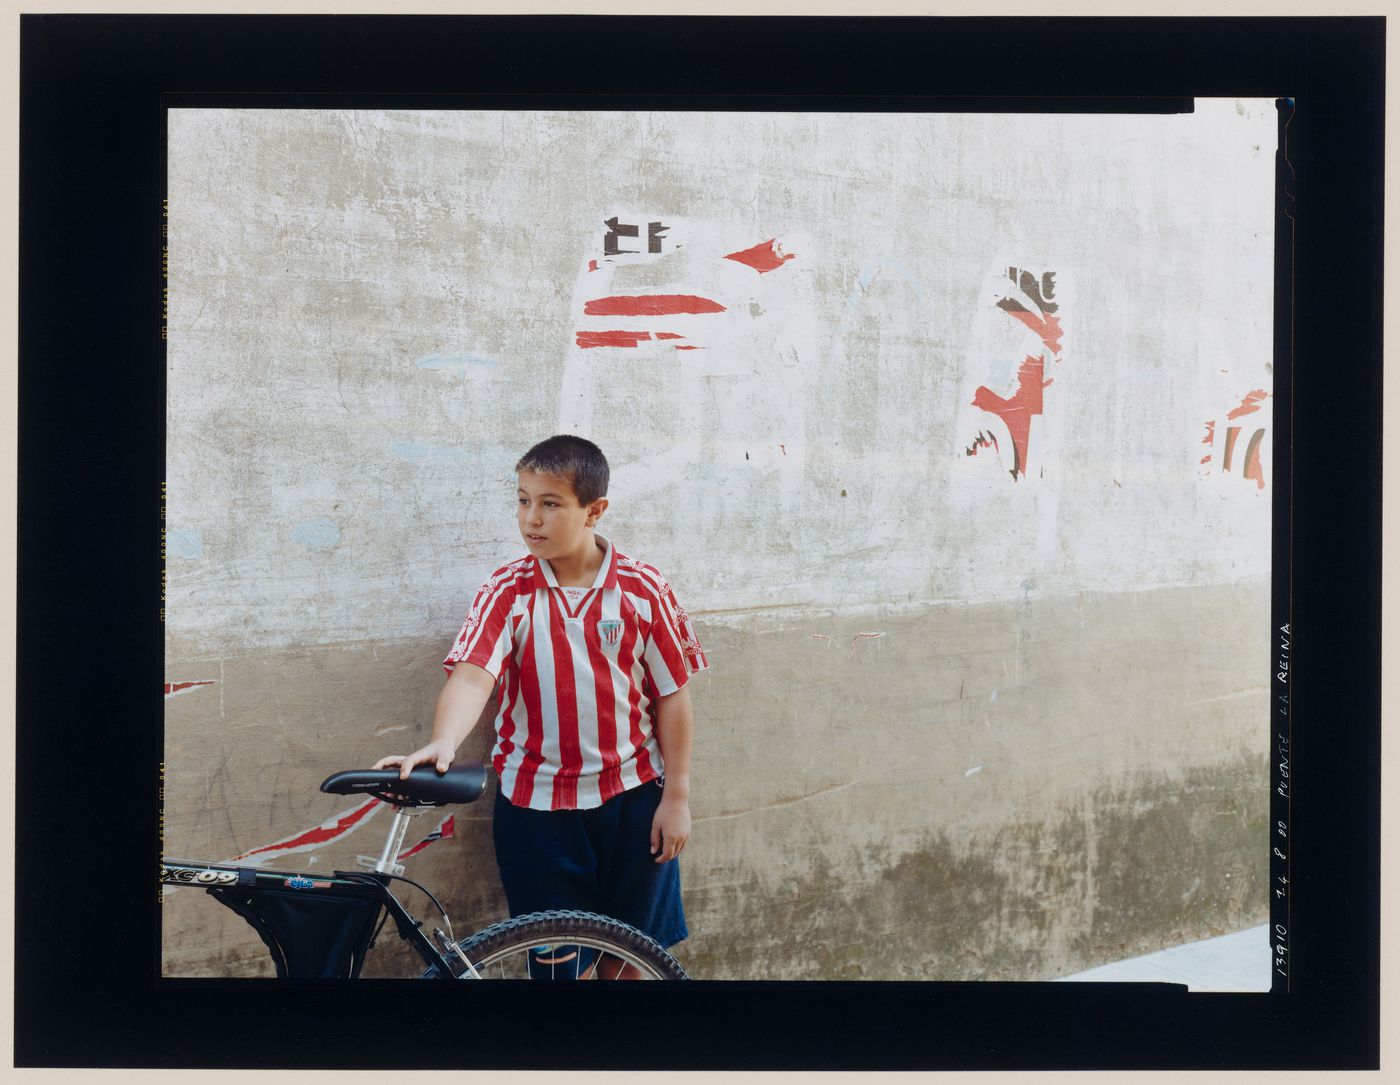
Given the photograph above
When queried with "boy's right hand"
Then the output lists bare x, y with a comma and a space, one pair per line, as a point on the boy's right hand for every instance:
438, 752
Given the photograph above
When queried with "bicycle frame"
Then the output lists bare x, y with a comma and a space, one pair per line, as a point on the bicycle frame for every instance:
242, 888
322, 926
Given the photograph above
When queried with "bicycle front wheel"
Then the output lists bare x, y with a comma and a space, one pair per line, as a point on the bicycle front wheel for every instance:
566, 945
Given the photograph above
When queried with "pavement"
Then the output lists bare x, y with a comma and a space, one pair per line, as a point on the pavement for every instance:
1232, 962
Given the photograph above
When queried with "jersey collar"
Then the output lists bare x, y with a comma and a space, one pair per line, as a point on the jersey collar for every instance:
607, 573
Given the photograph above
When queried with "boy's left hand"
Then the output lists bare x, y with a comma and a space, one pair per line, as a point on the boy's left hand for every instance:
670, 828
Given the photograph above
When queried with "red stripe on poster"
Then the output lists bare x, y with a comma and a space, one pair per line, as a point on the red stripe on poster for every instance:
1016, 412
651, 305
587, 340
172, 688
1253, 468
1231, 435
1249, 404
763, 257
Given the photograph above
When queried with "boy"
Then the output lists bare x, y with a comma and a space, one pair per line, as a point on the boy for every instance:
593, 653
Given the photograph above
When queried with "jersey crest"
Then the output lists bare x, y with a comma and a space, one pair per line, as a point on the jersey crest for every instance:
610, 632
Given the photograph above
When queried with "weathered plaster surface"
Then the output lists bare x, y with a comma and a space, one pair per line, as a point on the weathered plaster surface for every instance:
1052, 751
1010, 791
811, 456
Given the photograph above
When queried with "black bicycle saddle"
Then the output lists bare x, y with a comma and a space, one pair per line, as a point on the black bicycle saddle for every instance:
463, 781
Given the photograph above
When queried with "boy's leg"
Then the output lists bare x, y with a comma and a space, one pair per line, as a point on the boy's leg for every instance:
595, 860
632, 886
546, 862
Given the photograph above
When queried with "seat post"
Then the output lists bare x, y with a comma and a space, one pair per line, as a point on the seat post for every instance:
393, 844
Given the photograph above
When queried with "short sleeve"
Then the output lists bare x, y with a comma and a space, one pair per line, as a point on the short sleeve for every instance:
485, 637
672, 652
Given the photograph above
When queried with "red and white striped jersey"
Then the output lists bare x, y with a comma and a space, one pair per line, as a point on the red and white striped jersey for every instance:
578, 680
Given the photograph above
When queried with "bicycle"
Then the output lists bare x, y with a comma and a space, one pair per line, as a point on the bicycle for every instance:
321, 927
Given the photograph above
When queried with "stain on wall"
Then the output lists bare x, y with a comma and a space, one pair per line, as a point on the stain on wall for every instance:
993, 907
185, 544
457, 363
422, 452
318, 533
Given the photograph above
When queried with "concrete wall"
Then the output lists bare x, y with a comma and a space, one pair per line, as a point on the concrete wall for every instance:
964, 477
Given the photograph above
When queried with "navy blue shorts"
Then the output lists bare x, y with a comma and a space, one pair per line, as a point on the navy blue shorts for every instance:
596, 860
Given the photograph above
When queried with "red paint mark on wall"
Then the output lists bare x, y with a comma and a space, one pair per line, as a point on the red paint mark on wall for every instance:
983, 440
862, 636
1028, 398
651, 305
174, 688
1253, 461
593, 265
680, 347
1208, 439
669, 335
1253, 469
1016, 412
330, 830
1231, 435
588, 340
1249, 404
763, 257
444, 828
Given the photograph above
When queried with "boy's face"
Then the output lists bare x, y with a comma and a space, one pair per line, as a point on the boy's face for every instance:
552, 522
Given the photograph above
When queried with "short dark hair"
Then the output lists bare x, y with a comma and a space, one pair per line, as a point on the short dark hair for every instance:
577, 461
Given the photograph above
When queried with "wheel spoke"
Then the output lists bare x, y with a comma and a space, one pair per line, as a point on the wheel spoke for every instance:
574, 945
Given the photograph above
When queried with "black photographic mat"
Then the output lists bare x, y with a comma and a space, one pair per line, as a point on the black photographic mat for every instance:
94, 89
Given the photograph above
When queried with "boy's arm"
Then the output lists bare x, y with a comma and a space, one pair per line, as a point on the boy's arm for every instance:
675, 722
459, 706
